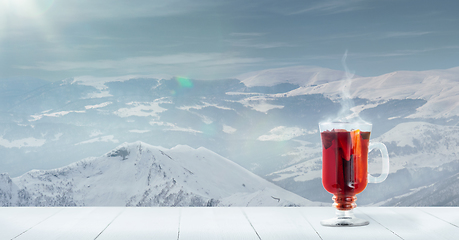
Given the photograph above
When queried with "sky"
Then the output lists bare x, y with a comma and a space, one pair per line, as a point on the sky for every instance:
216, 39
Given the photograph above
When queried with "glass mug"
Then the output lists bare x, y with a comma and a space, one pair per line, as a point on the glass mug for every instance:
345, 148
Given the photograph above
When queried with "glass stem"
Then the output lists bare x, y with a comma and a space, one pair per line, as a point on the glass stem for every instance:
344, 203
345, 214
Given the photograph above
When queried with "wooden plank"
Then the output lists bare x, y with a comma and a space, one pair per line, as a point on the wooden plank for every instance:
72, 223
447, 214
411, 223
372, 231
397, 223
215, 223
224, 223
91, 224
14, 221
144, 223
280, 223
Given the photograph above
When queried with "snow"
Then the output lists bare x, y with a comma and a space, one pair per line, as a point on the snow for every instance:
20, 143
301, 172
283, 133
108, 138
439, 88
203, 105
228, 129
54, 114
262, 106
141, 109
433, 144
98, 94
57, 136
99, 82
299, 75
259, 103
205, 119
357, 109
173, 127
101, 105
404, 134
410, 144
138, 174
95, 133
138, 131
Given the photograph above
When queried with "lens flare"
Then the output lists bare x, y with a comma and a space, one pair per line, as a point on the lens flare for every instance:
31, 17
184, 82
209, 129
26, 8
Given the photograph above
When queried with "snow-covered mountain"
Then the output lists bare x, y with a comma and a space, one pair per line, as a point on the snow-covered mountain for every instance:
439, 88
442, 193
265, 121
139, 174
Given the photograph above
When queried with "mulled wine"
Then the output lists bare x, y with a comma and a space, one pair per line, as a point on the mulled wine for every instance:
345, 165
345, 148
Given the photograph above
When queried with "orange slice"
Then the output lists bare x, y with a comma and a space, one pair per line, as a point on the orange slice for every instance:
356, 144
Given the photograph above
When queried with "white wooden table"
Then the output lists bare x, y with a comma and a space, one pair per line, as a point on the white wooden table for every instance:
223, 223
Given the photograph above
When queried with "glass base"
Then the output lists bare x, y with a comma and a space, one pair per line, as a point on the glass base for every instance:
344, 219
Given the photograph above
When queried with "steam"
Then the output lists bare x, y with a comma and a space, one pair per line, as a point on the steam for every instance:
346, 114
346, 101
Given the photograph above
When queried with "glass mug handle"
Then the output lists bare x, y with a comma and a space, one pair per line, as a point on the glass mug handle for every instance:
385, 162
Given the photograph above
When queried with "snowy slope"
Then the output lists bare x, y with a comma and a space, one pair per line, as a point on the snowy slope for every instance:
421, 144
300, 75
440, 88
441, 193
139, 174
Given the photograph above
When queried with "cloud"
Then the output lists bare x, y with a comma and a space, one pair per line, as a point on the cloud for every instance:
368, 35
53, 15
404, 34
104, 9
404, 52
253, 40
331, 7
247, 34
249, 43
173, 62
385, 54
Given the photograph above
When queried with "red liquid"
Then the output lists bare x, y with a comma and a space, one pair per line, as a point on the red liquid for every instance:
344, 165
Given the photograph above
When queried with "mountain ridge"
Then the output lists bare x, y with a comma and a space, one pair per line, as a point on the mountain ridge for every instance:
138, 174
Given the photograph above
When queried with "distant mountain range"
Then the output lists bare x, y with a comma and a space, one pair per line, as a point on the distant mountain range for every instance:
139, 174
265, 121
